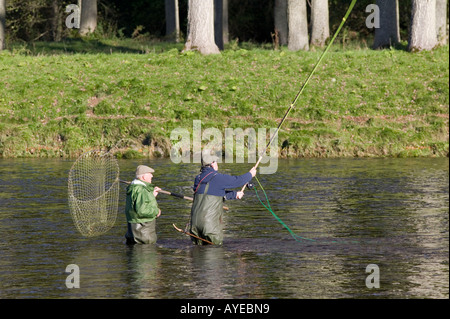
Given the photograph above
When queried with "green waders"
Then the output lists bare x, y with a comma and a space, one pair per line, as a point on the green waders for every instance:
206, 218
141, 233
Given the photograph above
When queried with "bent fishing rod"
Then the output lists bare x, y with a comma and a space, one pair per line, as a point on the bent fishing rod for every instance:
350, 8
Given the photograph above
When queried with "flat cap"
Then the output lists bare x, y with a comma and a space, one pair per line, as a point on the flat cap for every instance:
142, 169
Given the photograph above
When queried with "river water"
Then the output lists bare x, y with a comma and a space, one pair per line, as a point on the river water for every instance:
392, 214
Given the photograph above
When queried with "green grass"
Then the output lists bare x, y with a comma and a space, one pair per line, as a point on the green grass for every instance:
360, 102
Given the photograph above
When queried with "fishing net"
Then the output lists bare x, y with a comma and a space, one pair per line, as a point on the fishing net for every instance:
94, 192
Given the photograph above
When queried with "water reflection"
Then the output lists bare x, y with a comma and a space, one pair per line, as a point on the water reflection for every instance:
209, 272
143, 271
393, 213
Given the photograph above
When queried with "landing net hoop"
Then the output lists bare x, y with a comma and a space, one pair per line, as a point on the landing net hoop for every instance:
93, 192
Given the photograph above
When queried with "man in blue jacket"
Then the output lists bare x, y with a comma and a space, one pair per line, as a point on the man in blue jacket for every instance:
210, 190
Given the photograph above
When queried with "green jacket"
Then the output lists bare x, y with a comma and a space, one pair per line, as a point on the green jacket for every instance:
141, 205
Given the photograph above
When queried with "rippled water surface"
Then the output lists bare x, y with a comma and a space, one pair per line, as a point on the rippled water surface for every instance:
351, 213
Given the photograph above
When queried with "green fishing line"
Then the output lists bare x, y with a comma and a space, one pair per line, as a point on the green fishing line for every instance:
294, 235
269, 208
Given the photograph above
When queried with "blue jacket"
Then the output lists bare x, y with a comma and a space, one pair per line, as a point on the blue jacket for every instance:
219, 183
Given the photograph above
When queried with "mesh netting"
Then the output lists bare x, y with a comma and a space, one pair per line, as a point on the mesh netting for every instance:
94, 192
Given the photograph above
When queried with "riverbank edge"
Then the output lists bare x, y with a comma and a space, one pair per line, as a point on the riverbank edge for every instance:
161, 147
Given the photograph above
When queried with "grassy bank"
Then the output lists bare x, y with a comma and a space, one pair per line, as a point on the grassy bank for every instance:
360, 102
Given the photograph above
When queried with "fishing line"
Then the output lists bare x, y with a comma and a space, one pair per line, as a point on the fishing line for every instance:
296, 237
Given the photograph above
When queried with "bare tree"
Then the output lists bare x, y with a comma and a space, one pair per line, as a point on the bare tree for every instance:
172, 20
320, 26
297, 25
201, 27
280, 19
441, 21
2, 23
423, 35
388, 33
88, 20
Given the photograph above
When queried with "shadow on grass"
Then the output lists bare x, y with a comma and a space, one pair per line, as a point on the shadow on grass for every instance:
91, 46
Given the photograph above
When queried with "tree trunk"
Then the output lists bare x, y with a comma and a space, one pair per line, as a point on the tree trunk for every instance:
56, 21
297, 25
88, 20
172, 20
320, 27
388, 33
201, 27
221, 23
218, 20
423, 25
441, 21
280, 18
225, 29
2, 24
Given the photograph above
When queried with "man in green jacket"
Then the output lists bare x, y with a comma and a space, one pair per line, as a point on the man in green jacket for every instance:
141, 208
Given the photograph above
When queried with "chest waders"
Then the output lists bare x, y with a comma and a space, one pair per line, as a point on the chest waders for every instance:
206, 218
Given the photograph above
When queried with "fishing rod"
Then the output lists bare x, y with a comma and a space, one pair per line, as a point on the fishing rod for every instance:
350, 8
171, 193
